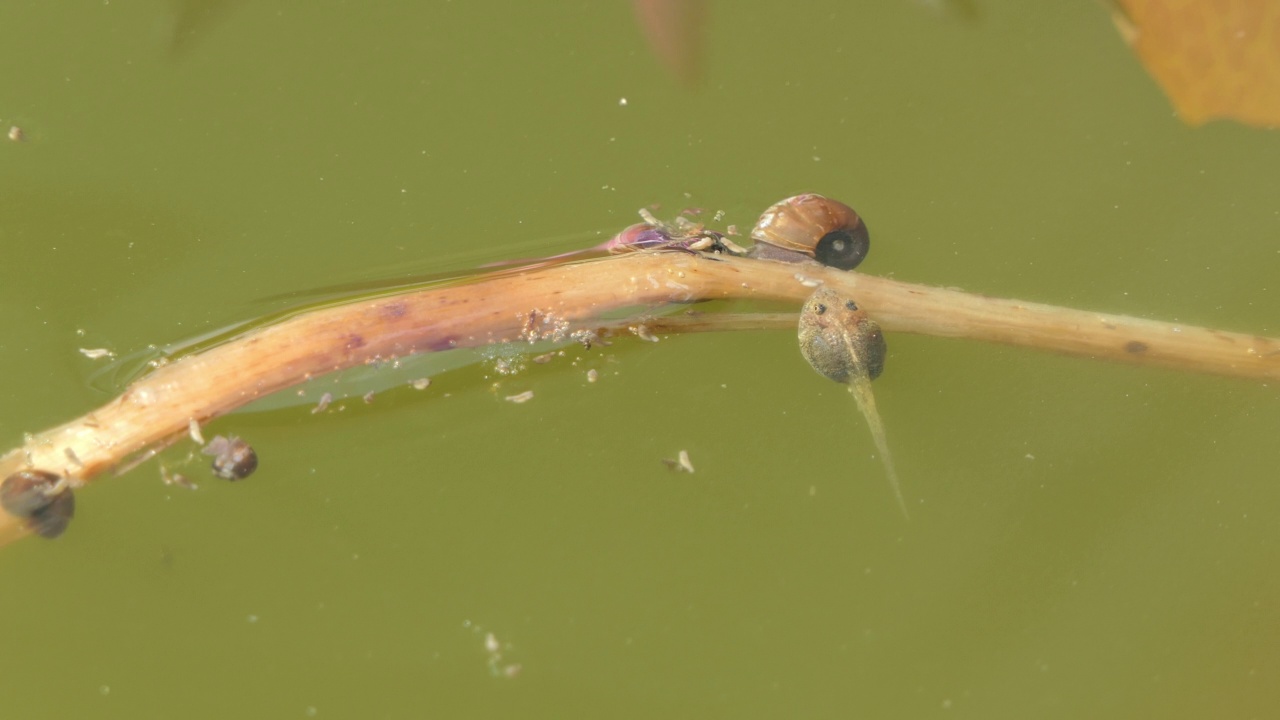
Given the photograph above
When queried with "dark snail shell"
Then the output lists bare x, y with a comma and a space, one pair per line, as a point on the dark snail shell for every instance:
233, 458
811, 226
42, 498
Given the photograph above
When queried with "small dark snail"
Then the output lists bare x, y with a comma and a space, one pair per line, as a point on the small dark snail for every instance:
44, 499
233, 458
843, 344
811, 227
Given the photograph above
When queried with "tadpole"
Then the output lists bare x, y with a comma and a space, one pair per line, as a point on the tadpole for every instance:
842, 343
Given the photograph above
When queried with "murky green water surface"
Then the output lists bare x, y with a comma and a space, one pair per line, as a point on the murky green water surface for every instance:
1086, 539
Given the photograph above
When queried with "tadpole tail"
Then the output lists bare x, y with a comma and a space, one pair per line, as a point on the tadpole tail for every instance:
860, 389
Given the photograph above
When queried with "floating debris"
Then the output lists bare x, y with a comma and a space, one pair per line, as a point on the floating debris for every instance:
323, 405
523, 397
368, 397
495, 649
96, 353
233, 458
193, 429
593, 375
681, 463
176, 479
643, 333
588, 337
421, 383
16, 134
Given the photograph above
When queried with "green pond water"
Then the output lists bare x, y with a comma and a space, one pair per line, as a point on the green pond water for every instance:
1086, 540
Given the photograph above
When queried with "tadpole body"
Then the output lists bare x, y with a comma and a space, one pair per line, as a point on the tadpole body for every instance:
845, 345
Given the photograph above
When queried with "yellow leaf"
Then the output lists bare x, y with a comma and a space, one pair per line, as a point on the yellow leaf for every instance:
1213, 58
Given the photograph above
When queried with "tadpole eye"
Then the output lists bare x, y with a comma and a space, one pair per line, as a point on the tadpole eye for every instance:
820, 308
850, 305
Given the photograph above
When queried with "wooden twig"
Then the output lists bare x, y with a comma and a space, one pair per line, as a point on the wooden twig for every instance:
567, 302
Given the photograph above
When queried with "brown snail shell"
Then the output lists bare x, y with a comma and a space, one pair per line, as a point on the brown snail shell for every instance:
813, 227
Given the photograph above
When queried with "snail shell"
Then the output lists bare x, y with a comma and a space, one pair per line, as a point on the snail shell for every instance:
233, 458
813, 227
42, 498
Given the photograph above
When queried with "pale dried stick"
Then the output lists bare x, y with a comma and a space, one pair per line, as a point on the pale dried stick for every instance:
553, 302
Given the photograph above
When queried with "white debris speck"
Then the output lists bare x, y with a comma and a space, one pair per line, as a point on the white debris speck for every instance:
368, 397
681, 463
495, 649
593, 375
643, 333
421, 383
683, 459
321, 406
96, 353
807, 281
16, 134
523, 397
622, 102
176, 479
193, 429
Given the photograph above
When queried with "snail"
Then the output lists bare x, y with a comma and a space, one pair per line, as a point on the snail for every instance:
233, 458
842, 343
42, 498
811, 227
